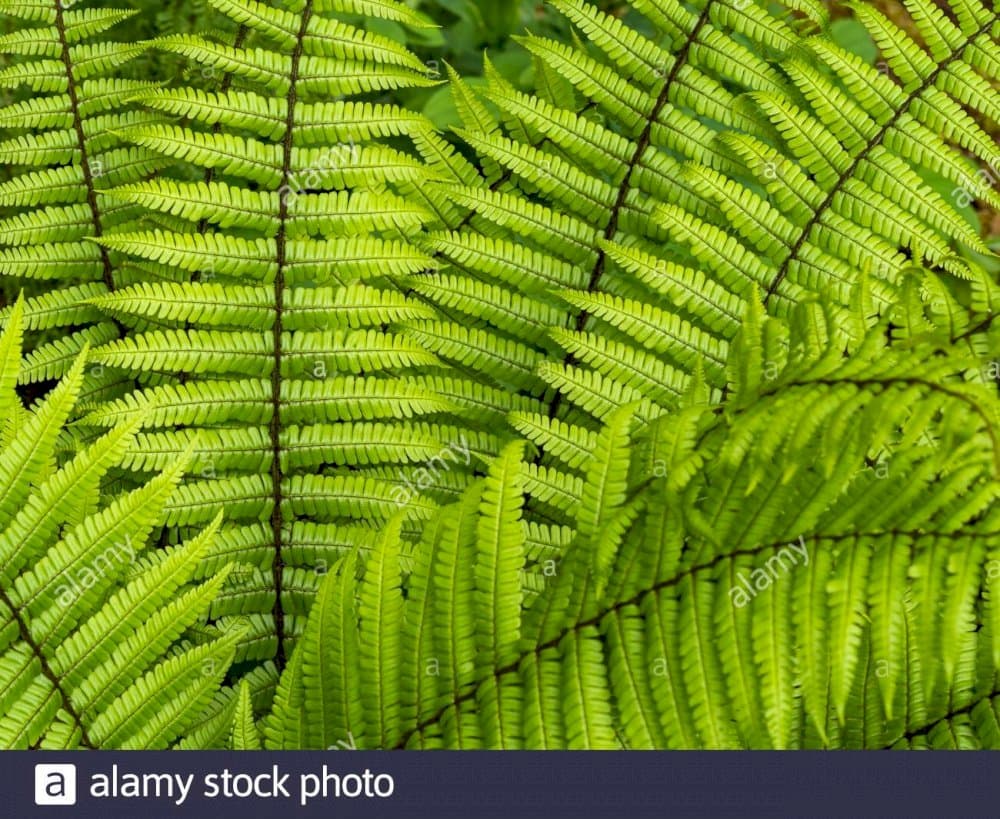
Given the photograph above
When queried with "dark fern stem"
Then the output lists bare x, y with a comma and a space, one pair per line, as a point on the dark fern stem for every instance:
625, 186
877, 140
277, 514
88, 176
24, 630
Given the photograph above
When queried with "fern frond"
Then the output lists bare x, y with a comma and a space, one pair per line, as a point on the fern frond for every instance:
751, 603
59, 142
94, 648
634, 218
291, 218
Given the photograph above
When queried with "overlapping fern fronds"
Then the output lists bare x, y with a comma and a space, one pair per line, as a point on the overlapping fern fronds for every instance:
97, 647
629, 207
810, 564
655, 408
272, 259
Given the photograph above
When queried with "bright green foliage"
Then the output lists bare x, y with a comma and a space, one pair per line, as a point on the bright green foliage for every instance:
60, 144
821, 577
631, 208
96, 647
653, 408
272, 257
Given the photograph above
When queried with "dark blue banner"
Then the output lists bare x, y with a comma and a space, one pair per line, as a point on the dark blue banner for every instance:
480, 785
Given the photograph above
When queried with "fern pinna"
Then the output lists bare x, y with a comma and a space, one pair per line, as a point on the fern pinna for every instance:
96, 648
742, 575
